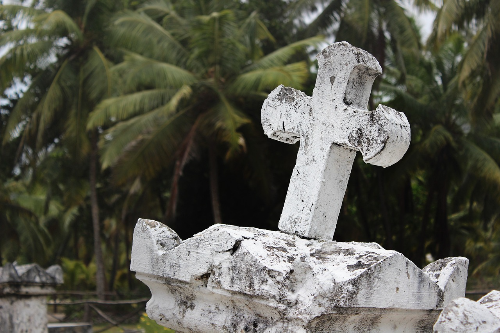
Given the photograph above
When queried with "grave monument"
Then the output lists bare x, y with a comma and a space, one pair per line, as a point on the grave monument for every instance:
234, 279
23, 296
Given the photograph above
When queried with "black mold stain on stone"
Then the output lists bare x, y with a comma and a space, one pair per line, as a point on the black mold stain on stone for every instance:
332, 79
346, 101
204, 279
356, 137
358, 265
286, 95
235, 247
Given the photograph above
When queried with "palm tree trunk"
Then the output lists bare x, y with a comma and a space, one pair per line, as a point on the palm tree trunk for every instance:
214, 186
425, 222
183, 157
442, 230
383, 207
99, 260
361, 202
116, 252
128, 253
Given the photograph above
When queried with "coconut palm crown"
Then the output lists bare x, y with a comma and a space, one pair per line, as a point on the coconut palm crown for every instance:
187, 78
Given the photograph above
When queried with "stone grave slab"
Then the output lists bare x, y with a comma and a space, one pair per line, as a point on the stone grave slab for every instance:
465, 315
233, 279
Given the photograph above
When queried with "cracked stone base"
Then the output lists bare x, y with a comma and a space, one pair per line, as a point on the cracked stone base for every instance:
232, 279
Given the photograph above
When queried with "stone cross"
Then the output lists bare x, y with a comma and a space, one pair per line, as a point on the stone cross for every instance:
331, 125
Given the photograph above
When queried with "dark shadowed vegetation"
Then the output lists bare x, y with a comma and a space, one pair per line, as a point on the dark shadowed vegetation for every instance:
115, 110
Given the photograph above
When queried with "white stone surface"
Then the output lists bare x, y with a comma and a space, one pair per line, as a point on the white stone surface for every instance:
231, 279
492, 302
331, 126
463, 315
23, 315
450, 274
23, 301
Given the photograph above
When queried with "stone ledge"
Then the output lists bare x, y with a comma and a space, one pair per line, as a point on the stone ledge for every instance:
227, 276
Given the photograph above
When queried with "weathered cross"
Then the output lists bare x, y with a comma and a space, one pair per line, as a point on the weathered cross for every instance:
331, 127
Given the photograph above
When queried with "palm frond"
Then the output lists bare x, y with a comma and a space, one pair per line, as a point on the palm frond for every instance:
57, 23
25, 106
153, 150
75, 132
474, 56
133, 129
437, 139
123, 107
326, 18
98, 78
17, 61
52, 102
11, 12
138, 71
18, 36
292, 75
222, 122
88, 7
213, 43
282, 55
400, 26
360, 18
252, 31
446, 17
138, 32
481, 164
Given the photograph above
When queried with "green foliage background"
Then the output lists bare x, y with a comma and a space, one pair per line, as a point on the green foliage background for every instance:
115, 110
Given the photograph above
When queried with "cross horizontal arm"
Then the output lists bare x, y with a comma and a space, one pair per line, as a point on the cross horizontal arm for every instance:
284, 112
382, 136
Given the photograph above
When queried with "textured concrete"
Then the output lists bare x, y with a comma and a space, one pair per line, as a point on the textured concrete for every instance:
231, 279
450, 274
23, 291
492, 302
464, 315
331, 125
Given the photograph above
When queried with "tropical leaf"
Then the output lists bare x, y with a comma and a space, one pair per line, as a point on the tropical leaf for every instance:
223, 121
437, 139
52, 102
282, 55
138, 71
97, 75
18, 36
128, 131
292, 75
12, 12
328, 16
138, 32
58, 23
481, 165
124, 107
154, 149
15, 62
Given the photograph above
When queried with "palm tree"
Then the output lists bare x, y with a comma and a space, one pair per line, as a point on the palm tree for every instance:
373, 25
447, 154
60, 48
479, 72
20, 225
188, 76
